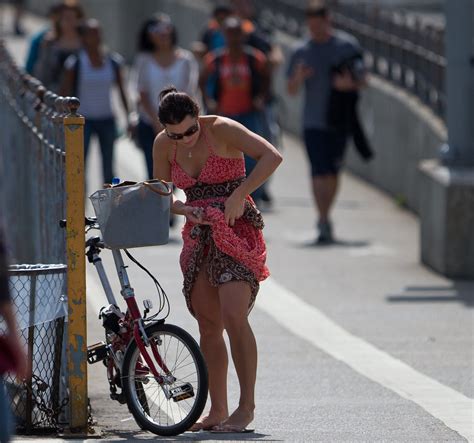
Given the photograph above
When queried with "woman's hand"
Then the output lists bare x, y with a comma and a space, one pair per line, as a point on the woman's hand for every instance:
234, 208
194, 215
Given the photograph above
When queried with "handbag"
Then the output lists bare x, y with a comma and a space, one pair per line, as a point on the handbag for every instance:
132, 215
8, 357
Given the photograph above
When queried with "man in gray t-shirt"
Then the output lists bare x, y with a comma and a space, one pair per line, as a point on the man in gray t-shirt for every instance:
312, 64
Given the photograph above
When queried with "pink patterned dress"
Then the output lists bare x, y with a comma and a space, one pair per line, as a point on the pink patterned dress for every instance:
230, 253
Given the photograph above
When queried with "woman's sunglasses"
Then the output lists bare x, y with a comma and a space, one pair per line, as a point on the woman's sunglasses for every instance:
192, 130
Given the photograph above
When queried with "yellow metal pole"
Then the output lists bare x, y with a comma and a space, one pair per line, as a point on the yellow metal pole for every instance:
76, 277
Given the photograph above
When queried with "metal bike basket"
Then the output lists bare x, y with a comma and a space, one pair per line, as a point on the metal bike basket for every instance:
133, 216
40, 304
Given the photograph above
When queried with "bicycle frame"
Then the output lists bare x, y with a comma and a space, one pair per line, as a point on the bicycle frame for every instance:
133, 311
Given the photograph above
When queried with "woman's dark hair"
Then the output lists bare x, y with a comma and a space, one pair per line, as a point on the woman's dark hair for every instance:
175, 106
67, 6
145, 44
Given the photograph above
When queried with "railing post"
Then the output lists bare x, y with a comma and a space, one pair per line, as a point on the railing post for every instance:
76, 282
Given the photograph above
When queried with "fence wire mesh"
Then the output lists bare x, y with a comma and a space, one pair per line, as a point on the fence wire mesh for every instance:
32, 201
32, 179
38, 294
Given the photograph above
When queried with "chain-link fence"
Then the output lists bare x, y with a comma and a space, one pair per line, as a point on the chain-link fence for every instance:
32, 179
38, 293
36, 176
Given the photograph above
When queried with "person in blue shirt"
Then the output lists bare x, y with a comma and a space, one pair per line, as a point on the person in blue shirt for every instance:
36, 39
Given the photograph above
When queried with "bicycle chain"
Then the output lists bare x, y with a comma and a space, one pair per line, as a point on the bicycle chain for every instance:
53, 414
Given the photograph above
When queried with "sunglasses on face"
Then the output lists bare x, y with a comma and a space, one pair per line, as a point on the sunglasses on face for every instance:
190, 131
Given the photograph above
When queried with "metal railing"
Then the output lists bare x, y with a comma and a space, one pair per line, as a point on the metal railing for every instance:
41, 183
399, 47
33, 162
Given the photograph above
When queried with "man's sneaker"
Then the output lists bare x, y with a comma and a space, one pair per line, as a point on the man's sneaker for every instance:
325, 233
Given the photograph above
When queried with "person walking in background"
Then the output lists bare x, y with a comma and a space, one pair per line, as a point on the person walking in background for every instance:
58, 46
240, 83
37, 39
312, 65
160, 63
223, 256
212, 37
91, 76
18, 7
11, 346
260, 39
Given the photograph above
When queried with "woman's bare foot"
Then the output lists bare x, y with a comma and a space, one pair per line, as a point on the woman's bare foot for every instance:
207, 422
237, 422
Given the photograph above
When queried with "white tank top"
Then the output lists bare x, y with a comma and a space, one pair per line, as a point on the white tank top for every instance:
152, 78
95, 87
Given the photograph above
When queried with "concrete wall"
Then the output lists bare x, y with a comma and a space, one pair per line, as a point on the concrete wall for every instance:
402, 131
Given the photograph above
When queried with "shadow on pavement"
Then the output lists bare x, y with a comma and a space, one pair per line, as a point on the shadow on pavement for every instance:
304, 202
188, 436
460, 292
336, 243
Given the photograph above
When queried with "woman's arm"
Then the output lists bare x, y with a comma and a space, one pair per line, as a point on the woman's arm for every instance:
143, 88
238, 138
190, 74
123, 95
150, 111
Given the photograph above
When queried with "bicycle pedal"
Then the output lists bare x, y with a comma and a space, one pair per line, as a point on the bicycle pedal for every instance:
96, 352
119, 397
182, 392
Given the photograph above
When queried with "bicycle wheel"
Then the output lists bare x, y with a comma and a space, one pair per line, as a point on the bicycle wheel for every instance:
171, 408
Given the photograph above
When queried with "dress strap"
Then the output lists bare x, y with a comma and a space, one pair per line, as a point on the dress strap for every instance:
175, 148
207, 139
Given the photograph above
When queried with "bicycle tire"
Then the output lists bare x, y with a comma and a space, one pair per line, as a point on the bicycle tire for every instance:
165, 421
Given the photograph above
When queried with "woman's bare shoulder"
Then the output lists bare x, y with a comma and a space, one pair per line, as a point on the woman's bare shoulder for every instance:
219, 125
226, 133
162, 145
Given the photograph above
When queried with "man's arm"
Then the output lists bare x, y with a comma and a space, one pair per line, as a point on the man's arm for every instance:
299, 75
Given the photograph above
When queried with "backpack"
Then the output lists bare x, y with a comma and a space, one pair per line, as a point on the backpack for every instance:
255, 75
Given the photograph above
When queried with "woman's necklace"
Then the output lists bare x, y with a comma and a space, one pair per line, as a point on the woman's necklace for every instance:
190, 152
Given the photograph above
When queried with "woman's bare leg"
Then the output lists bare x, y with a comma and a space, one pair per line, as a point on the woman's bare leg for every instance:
206, 305
234, 299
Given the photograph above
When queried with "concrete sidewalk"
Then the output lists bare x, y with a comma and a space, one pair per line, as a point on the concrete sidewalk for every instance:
371, 284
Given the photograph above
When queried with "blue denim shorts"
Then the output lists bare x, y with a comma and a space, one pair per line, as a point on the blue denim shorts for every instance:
325, 151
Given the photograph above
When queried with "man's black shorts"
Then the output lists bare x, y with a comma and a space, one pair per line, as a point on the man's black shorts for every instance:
325, 151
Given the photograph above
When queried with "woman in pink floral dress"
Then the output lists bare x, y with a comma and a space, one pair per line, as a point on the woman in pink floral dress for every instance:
223, 256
